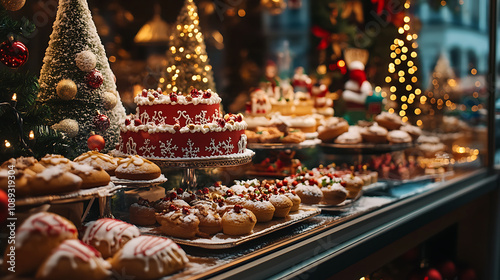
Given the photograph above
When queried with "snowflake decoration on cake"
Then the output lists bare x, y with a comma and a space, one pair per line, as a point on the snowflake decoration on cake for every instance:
167, 150
201, 118
144, 117
131, 147
158, 118
147, 151
190, 151
216, 114
221, 148
184, 114
242, 144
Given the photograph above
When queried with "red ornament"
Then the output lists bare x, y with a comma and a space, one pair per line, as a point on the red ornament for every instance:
194, 93
94, 79
144, 93
4, 206
173, 97
101, 122
448, 270
13, 54
96, 142
127, 121
433, 274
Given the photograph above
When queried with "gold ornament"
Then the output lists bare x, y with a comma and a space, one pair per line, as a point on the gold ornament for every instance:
110, 100
68, 126
66, 89
13, 5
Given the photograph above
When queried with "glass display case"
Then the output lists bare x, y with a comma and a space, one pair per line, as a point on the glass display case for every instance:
429, 66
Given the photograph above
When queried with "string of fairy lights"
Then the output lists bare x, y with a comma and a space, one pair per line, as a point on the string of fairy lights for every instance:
403, 70
189, 33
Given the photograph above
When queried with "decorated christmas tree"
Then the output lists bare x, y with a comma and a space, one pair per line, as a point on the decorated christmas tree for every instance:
76, 82
402, 80
21, 129
188, 63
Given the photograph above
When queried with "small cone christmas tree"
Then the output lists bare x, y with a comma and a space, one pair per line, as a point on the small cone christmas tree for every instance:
188, 63
76, 82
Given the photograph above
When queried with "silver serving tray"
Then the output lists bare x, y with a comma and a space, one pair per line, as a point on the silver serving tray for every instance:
309, 143
139, 183
223, 241
80, 195
219, 161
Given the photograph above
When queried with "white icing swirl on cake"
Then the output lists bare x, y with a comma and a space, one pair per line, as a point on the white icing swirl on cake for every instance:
181, 99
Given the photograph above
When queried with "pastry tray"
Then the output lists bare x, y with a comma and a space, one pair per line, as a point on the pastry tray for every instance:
341, 207
80, 195
139, 183
365, 148
309, 143
223, 241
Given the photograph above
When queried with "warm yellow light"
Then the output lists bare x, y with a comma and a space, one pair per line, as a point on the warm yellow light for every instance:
388, 79
205, 80
174, 89
404, 57
162, 80
406, 27
401, 30
14, 97
415, 36
391, 70
403, 98
410, 101
443, 3
404, 106
410, 71
241, 13
475, 94
391, 110
194, 78
448, 103
414, 45
397, 61
393, 97
181, 49
383, 94
419, 123
423, 99
7, 144
393, 55
402, 79
341, 63
401, 73
402, 113
378, 88
477, 83
393, 47
406, 19
404, 119
401, 43
179, 27
392, 89
414, 79
31, 135
473, 71
408, 37
407, 5
404, 49
398, 51
413, 54
418, 111
408, 87
410, 63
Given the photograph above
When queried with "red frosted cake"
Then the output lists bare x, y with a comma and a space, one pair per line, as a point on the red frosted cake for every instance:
180, 126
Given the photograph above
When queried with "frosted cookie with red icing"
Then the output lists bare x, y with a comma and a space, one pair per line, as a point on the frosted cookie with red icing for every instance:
149, 257
137, 168
109, 235
74, 260
37, 237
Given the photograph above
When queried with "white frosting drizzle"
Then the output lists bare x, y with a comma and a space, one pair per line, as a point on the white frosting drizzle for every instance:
71, 250
46, 224
153, 248
110, 230
162, 128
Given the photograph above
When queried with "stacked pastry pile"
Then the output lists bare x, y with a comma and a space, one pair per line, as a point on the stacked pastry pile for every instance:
231, 210
329, 186
55, 174
387, 128
47, 247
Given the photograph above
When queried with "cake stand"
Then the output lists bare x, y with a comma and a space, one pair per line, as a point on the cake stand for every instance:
189, 165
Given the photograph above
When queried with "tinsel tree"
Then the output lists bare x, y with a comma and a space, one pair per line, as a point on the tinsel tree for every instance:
402, 82
76, 82
188, 63
22, 132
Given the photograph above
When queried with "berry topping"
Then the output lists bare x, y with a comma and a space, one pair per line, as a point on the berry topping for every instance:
239, 117
185, 210
282, 191
285, 182
172, 207
279, 184
159, 91
137, 122
237, 208
295, 183
313, 182
206, 190
144, 93
173, 97
217, 184
229, 192
156, 95
180, 191
207, 94
195, 93
173, 195
127, 121
221, 122
267, 186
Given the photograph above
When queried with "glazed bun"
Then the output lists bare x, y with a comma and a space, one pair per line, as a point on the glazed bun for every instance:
74, 260
149, 257
109, 235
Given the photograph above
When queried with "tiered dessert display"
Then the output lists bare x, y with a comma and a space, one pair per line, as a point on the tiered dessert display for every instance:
185, 131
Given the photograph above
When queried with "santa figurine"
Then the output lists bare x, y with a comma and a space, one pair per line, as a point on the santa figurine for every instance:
271, 82
259, 103
357, 88
300, 81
